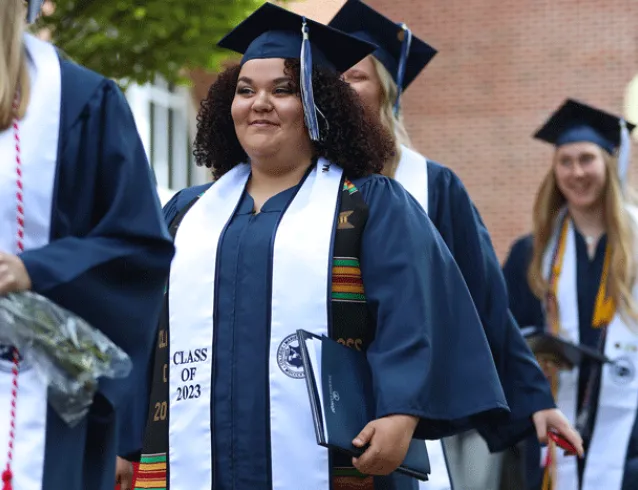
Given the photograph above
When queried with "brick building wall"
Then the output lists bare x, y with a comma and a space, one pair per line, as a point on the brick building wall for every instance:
502, 67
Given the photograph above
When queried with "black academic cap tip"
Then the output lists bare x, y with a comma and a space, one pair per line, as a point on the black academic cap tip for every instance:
568, 353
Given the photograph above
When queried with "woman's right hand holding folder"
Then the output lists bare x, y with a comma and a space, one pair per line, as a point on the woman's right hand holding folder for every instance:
387, 440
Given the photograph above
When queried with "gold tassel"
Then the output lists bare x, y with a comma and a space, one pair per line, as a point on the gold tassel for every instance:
605, 307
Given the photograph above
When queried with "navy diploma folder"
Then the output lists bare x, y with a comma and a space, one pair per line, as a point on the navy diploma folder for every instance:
339, 385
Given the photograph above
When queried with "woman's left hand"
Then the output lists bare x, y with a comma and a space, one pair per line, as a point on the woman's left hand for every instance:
553, 418
388, 439
13, 275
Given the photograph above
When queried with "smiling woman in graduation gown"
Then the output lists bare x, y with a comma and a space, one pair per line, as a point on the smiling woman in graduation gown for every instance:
93, 241
323, 245
585, 233
379, 80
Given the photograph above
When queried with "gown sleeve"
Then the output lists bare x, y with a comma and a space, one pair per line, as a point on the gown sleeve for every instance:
110, 252
465, 234
430, 357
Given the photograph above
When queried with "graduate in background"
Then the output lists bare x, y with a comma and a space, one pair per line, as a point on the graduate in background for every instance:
575, 275
82, 226
380, 79
304, 236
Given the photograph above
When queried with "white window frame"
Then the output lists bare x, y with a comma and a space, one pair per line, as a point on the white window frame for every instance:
166, 122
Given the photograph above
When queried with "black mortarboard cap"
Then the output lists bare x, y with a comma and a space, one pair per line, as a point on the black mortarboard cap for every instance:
566, 352
577, 122
274, 32
362, 21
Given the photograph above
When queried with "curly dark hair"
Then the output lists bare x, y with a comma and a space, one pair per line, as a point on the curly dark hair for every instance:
353, 138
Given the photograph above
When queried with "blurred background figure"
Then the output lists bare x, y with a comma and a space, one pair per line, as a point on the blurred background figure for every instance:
575, 276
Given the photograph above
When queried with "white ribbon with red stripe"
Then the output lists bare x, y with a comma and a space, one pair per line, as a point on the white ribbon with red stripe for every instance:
28, 156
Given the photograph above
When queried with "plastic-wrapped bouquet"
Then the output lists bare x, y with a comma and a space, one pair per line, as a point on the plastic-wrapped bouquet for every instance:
68, 353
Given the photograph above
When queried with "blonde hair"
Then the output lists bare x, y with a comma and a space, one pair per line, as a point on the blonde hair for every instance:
620, 231
14, 73
392, 123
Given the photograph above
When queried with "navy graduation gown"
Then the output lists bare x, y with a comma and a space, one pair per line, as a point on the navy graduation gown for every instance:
107, 261
528, 311
439, 326
459, 223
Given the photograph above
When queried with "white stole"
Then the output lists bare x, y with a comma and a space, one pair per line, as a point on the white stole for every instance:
618, 399
302, 257
412, 174
39, 132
